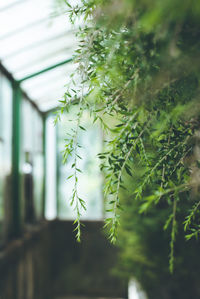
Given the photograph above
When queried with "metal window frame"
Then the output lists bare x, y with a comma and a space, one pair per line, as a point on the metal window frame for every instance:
16, 180
18, 94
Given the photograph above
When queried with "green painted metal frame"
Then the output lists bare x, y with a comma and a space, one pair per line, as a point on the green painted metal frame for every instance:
18, 93
57, 174
44, 165
45, 70
44, 136
16, 192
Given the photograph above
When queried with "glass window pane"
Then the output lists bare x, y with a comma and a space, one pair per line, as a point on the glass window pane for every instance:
26, 161
50, 194
38, 165
90, 180
32, 165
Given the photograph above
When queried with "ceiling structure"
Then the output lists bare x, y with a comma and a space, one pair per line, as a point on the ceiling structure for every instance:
37, 43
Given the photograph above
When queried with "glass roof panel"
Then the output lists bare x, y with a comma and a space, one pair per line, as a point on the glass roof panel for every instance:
27, 13
7, 4
42, 91
33, 37
51, 100
41, 44
48, 77
40, 64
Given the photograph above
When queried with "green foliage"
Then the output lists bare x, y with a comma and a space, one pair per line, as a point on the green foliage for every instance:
144, 249
139, 64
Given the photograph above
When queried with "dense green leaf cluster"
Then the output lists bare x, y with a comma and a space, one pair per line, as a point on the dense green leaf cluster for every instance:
139, 64
144, 250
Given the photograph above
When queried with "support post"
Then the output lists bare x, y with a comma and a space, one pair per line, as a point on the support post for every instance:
44, 165
57, 173
16, 194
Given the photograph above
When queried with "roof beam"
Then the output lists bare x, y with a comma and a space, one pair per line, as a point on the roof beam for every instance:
44, 57
45, 70
9, 76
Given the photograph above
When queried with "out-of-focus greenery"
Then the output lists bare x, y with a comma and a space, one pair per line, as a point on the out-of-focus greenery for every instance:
144, 250
139, 62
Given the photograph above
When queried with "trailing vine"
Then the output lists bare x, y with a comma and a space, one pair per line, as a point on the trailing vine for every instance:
140, 65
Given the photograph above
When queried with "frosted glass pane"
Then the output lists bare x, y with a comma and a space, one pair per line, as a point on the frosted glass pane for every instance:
32, 166
32, 11
44, 80
47, 89
7, 4
50, 199
38, 173
31, 61
42, 65
90, 181
38, 165
34, 36
27, 125
26, 161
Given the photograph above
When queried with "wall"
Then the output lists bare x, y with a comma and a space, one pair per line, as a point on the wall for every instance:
25, 267
48, 261
85, 268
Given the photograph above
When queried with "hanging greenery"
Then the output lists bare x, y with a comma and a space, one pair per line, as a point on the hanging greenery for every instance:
139, 68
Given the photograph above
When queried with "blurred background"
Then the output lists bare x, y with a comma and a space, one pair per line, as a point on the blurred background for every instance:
39, 255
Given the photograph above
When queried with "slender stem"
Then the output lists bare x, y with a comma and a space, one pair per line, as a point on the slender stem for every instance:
116, 200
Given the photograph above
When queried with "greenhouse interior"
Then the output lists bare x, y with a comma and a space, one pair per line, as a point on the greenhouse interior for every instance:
99, 149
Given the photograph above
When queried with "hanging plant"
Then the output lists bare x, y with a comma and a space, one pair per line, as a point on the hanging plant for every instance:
139, 69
